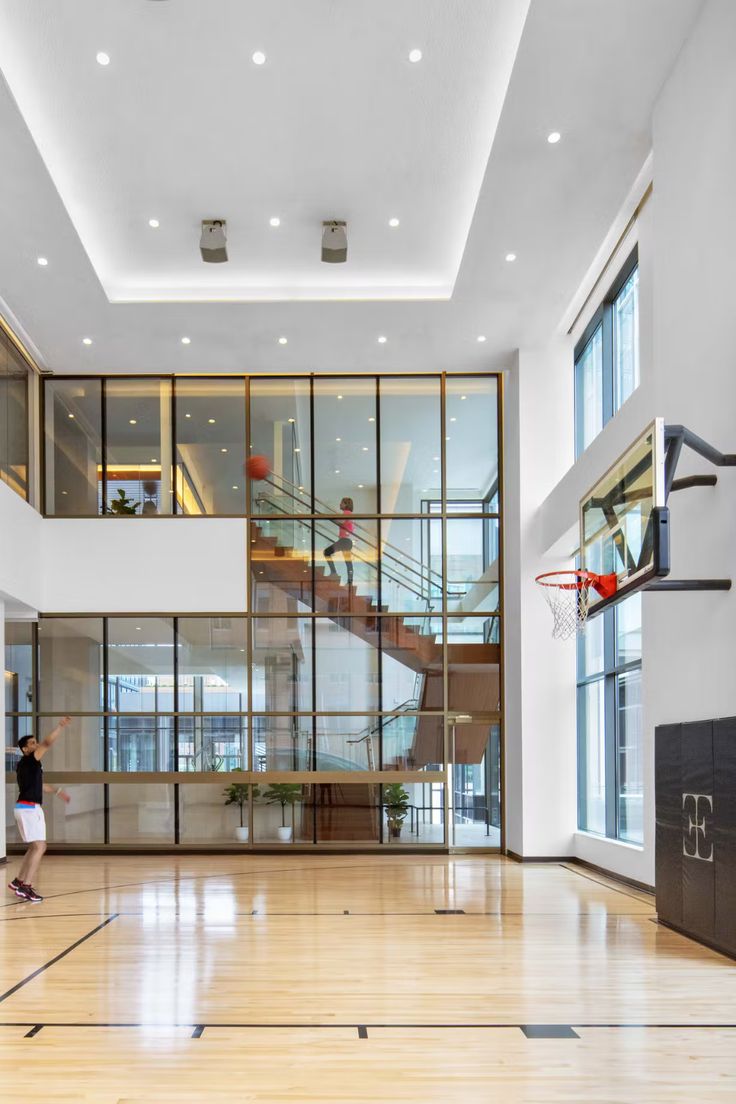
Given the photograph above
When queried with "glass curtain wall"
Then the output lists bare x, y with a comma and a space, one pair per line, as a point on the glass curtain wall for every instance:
369, 657
14, 384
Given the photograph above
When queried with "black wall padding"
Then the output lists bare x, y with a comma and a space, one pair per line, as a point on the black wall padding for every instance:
695, 789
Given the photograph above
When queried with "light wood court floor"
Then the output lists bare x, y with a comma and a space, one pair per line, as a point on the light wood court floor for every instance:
354, 978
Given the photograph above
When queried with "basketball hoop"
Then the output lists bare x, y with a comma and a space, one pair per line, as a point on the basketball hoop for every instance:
568, 596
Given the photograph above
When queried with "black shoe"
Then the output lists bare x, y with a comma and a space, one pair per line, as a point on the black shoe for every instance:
29, 894
17, 888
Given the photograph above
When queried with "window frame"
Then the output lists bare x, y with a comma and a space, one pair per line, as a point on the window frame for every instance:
603, 318
610, 675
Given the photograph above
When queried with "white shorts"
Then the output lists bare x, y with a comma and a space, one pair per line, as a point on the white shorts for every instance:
31, 823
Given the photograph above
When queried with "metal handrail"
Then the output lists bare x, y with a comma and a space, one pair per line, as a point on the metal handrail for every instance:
401, 555
361, 559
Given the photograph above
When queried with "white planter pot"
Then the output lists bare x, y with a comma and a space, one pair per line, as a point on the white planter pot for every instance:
284, 834
241, 834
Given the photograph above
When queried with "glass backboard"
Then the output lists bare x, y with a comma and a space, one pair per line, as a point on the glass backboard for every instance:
622, 515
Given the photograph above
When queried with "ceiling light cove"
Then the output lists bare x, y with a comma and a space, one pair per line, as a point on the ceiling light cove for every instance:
438, 182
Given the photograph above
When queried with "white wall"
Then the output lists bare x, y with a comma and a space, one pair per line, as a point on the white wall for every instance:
687, 246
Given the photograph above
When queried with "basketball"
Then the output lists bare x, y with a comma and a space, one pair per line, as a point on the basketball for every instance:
257, 467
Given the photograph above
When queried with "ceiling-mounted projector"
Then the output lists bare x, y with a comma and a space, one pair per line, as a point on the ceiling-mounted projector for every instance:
213, 243
334, 241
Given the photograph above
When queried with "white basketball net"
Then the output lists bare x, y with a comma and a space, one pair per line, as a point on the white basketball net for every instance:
569, 600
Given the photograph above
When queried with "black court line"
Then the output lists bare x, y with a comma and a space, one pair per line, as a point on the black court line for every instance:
57, 958
379, 1026
34, 1031
198, 1031
614, 889
362, 1031
455, 912
549, 1031
39, 914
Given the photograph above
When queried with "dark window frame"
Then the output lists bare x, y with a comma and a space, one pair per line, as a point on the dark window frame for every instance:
610, 675
602, 319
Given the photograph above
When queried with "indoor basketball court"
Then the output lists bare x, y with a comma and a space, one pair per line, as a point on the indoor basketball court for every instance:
366, 551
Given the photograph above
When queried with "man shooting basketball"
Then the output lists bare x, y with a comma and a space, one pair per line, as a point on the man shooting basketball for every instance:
29, 809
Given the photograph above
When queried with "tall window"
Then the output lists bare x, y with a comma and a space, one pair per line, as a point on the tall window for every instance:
610, 778
607, 356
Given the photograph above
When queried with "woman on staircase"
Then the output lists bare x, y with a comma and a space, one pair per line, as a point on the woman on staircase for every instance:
344, 542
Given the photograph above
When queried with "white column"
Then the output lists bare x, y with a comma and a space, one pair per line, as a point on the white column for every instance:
540, 723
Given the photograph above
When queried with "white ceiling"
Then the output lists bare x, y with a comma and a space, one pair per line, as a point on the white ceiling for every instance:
337, 123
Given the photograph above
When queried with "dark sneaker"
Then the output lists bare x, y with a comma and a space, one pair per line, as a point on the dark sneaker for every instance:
29, 893
17, 888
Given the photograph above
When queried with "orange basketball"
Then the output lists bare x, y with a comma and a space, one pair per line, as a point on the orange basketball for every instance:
257, 467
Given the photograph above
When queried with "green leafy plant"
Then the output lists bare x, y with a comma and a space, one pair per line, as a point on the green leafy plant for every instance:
237, 794
122, 504
396, 804
283, 794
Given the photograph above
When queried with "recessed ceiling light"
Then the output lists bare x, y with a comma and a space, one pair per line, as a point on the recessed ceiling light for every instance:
510, 257
211, 421
186, 341
86, 340
65, 492
453, 419
234, 487
137, 628
297, 450
415, 56
337, 471
154, 224
70, 415
43, 261
382, 340
338, 438
292, 420
275, 221
435, 472
371, 419
103, 58
223, 450
133, 421
435, 458
339, 396
283, 341
393, 222
259, 58
481, 338
554, 137
365, 448
360, 486
447, 438
187, 415
463, 397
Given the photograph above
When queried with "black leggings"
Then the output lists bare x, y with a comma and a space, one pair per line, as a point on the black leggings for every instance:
344, 545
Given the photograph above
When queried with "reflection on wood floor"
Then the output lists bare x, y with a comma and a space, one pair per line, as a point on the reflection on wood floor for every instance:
354, 978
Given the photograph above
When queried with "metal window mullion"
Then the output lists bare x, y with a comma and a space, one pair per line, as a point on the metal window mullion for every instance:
106, 726
177, 814
103, 442
607, 361
449, 766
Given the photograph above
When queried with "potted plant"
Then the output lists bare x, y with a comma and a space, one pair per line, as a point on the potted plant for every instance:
237, 794
396, 803
283, 794
122, 504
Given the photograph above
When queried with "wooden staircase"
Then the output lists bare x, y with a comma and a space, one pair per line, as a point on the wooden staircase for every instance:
473, 669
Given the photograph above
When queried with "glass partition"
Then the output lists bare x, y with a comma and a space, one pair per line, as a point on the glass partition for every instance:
138, 448
411, 435
345, 452
70, 664
73, 426
140, 658
14, 375
210, 446
280, 431
471, 438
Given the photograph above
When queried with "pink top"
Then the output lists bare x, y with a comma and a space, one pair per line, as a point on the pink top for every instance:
346, 527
